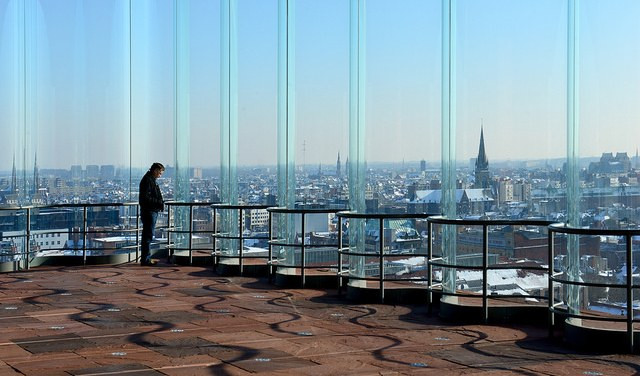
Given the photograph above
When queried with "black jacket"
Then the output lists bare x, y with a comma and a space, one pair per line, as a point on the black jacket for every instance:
150, 195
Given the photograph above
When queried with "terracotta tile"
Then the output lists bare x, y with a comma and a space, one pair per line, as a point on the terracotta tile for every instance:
178, 320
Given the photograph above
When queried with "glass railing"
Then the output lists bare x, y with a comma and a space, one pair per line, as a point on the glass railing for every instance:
505, 261
303, 245
391, 252
241, 234
607, 294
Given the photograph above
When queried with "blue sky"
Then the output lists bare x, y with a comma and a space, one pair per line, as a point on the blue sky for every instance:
511, 76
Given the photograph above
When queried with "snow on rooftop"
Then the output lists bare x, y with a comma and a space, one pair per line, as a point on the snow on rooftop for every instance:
503, 277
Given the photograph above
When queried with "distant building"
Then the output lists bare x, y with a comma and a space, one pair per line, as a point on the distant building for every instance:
505, 190
521, 191
93, 172
468, 201
609, 164
107, 172
76, 172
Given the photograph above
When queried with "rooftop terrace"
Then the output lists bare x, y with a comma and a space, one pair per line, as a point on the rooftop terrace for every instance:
170, 320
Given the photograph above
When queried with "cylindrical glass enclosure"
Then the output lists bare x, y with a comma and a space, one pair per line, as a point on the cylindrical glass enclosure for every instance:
504, 90
602, 164
394, 131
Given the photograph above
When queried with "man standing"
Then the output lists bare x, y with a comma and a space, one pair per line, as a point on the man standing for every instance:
150, 204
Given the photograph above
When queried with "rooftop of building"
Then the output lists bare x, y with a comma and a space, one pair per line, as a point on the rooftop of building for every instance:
179, 320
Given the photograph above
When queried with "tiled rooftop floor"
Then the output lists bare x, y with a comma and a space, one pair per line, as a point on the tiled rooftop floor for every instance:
176, 320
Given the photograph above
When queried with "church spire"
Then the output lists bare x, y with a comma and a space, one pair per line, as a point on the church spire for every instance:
482, 163
482, 176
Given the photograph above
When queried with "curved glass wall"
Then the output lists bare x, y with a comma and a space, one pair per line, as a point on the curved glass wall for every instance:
603, 191
313, 121
504, 93
249, 46
394, 129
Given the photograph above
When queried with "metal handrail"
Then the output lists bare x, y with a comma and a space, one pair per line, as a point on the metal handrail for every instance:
628, 234
439, 261
303, 212
172, 229
27, 254
346, 251
217, 255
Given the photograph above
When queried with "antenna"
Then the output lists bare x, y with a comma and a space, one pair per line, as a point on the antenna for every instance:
304, 153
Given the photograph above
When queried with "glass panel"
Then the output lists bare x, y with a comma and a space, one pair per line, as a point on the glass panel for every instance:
608, 54
506, 103
83, 91
249, 111
321, 98
394, 115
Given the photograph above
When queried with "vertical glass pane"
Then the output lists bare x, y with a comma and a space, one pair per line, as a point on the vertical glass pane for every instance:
80, 100
395, 123
153, 85
511, 86
508, 75
607, 93
321, 97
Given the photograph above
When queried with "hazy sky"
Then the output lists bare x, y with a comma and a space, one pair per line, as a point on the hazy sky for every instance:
510, 72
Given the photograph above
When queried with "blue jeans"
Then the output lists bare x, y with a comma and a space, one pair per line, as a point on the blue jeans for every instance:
149, 219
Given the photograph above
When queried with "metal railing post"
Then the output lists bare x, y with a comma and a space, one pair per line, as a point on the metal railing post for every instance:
381, 229
27, 262
485, 264
190, 242
340, 245
629, 292
270, 253
302, 252
169, 251
137, 233
551, 245
429, 267
84, 235
215, 238
241, 242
